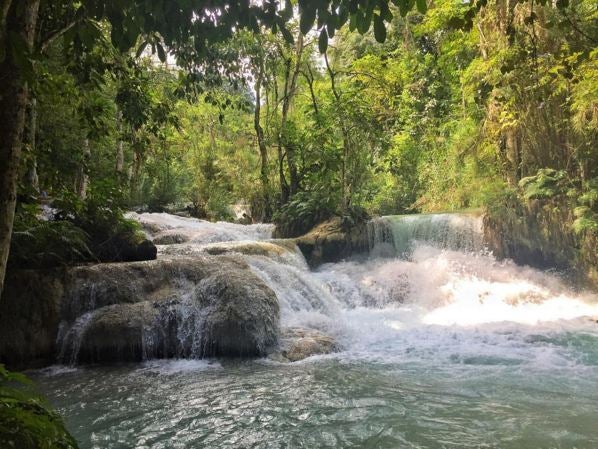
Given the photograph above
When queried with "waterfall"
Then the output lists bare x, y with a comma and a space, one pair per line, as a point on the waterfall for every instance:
422, 270
397, 235
426, 333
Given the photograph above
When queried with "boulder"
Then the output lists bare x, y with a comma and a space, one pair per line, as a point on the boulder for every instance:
298, 343
242, 314
331, 242
110, 334
126, 245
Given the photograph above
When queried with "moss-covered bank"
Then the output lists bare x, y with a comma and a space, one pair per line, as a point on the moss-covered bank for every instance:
541, 233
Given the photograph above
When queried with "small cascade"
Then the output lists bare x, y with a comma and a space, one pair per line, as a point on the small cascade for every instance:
189, 307
422, 270
166, 228
396, 235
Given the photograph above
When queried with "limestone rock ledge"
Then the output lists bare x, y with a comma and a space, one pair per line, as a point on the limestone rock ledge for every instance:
170, 307
331, 242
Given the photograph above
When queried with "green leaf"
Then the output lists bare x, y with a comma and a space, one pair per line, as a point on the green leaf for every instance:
308, 17
353, 22
323, 41
362, 22
141, 48
287, 12
385, 12
286, 34
379, 29
422, 6
405, 6
331, 30
343, 15
161, 52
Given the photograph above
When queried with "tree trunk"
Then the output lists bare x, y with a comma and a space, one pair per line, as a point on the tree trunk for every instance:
31, 176
4, 9
259, 132
284, 187
120, 154
309, 77
512, 143
290, 147
82, 176
13, 104
346, 194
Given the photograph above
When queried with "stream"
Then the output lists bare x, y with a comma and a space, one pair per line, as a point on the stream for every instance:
441, 346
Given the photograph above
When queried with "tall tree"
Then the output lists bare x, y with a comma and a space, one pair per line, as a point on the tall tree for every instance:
166, 24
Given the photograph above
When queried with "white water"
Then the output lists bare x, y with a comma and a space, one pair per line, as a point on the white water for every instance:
427, 275
442, 346
201, 231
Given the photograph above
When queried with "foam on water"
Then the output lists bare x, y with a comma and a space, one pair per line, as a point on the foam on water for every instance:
201, 231
173, 366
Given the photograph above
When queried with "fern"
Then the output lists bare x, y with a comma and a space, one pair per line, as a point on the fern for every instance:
547, 183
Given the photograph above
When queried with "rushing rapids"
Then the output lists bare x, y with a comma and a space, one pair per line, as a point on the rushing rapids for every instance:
431, 342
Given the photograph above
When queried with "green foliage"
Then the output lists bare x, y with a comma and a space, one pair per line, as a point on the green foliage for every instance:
418, 113
41, 243
304, 211
586, 213
78, 231
545, 184
103, 221
26, 420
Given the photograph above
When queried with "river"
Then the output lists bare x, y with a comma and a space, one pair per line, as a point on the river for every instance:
441, 346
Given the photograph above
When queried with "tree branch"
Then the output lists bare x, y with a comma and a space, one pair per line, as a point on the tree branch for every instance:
47, 40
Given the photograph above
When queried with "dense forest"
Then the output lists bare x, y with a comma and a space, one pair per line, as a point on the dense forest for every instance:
294, 114
464, 106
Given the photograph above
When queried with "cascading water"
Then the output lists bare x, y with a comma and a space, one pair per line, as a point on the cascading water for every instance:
401, 233
200, 231
441, 346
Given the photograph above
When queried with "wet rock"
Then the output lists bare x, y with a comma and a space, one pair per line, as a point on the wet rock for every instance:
298, 343
249, 248
30, 313
171, 237
540, 233
274, 249
242, 314
194, 307
179, 307
124, 247
146, 250
113, 334
331, 241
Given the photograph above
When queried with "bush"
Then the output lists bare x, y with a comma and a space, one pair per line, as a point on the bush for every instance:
545, 184
79, 231
26, 420
41, 243
586, 214
354, 216
304, 211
